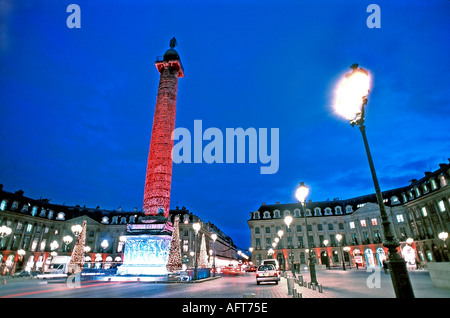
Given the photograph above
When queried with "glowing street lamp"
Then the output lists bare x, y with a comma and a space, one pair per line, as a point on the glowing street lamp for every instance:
339, 238
196, 226
288, 221
443, 236
351, 98
67, 240
301, 193
214, 238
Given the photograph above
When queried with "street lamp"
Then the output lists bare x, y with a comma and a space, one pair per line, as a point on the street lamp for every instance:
443, 236
301, 193
339, 238
214, 238
196, 226
351, 98
288, 221
67, 240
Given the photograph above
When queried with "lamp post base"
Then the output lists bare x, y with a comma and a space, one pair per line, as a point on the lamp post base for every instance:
400, 278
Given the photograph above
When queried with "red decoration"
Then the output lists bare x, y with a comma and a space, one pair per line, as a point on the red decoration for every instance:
159, 165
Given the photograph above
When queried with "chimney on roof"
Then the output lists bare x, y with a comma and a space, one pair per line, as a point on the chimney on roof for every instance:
443, 165
278, 202
427, 173
412, 181
264, 203
20, 193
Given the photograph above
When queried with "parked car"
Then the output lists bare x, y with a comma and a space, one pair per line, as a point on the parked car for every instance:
266, 273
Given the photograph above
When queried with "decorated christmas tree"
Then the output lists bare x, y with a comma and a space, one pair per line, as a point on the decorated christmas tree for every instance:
174, 260
203, 260
76, 263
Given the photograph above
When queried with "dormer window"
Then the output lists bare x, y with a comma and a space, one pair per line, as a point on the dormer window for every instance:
3, 205
60, 216
395, 200
328, 211
266, 215
317, 212
105, 220
256, 215
338, 210
348, 209
276, 214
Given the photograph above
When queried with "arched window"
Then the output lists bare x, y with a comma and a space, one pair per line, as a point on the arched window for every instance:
276, 214
256, 215
338, 210
286, 212
266, 215
60, 216
317, 212
105, 220
348, 209
328, 211
297, 212
395, 200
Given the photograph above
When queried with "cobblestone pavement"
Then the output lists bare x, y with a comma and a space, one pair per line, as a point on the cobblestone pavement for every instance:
335, 283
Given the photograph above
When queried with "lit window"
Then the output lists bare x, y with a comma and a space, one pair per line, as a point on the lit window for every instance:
441, 206
374, 221
3, 205
424, 211
363, 223
60, 216
29, 227
352, 225
400, 218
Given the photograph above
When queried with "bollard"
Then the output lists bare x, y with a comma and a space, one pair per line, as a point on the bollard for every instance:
313, 286
320, 289
309, 285
300, 279
290, 284
295, 293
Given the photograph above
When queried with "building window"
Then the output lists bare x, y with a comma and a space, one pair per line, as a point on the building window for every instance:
19, 226
258, 243
266, 215
257, 230
374, 221
276, 214
328, 211
185, 246
330, 227
400, 218
268, 243
441, 206
299, 228
61, 216
349, 209
320, 227
424, 211
267, 230
395, 200
34, 211
317, 212
3, 205
341, 226
363, 223
433, 184
443, 181
29, 227
352, 225
256, 215
338, 210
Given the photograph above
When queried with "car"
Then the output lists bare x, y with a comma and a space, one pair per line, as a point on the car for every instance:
273, 262
266, 273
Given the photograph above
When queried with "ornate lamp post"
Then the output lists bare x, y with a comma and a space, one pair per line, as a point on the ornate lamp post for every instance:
214, 238
443, 236
196, 227
301, 194
339, 238
288, 221
351, 98
67, 240
280, 235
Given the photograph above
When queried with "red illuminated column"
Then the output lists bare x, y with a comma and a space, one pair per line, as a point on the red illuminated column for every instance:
159, 165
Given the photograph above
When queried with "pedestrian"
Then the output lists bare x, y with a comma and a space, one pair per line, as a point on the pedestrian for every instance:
357, 265
385, 267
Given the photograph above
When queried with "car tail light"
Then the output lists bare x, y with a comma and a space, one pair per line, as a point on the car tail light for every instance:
276, 274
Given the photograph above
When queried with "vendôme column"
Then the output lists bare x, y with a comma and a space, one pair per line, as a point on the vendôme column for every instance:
159, 165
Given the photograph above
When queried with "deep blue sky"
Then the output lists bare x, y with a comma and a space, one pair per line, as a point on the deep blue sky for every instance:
76, 105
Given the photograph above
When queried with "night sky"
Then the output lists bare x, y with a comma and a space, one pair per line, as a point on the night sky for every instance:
76, 105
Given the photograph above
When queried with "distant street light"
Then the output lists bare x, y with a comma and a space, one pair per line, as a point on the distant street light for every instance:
196, 226
288, 221
339, 238
214, 238
351, 98
301, 194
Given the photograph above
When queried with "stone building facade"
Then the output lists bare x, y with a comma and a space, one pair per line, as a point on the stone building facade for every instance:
418, 213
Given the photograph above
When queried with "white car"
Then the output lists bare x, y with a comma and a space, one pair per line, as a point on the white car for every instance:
266, 273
